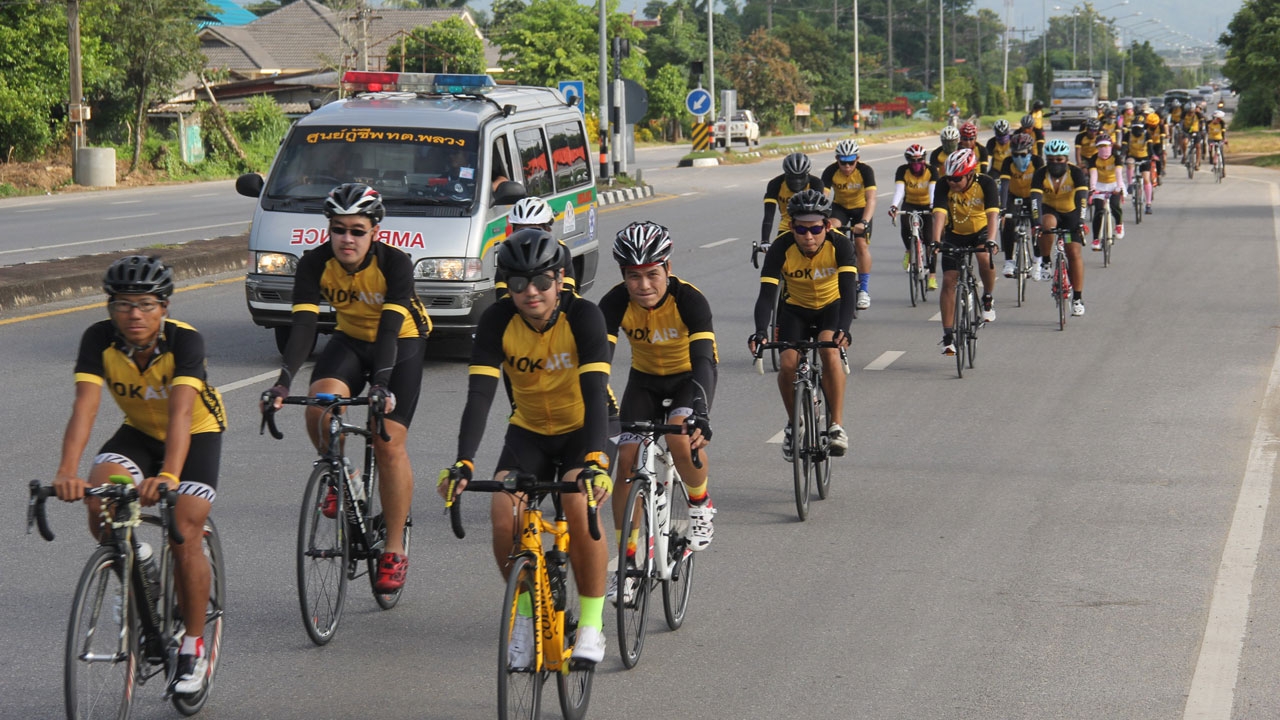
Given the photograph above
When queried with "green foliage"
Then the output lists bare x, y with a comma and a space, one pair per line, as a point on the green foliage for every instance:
766, 79
1252, 40
666, 97
450, 45
997, 100
263, 121
24, 129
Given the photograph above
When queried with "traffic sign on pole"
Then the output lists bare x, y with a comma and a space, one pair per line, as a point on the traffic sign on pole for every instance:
573, 91
698, 101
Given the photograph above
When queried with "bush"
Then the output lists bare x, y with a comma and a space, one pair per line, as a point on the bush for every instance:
263, 120
24, 128
1256, 110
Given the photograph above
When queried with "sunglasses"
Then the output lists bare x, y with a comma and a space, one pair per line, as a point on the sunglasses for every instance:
352, 232
517, 284
124, 307
808, 229
847, 160
956, 180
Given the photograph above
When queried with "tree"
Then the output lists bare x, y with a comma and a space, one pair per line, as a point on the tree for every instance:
1252, 40
450, 45
666, 98
765, 78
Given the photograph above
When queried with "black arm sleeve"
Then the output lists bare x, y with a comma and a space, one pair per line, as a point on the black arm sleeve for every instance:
384, 346
696, 313
613, 306
306, 292
847, 281
482, 383
772, 270
770, 208
588, 333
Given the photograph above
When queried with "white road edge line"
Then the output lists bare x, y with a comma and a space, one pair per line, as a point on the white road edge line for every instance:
776, 439
124, 237
937, 317
1212, 692
256, 379
885, 360
130, 217
717, 243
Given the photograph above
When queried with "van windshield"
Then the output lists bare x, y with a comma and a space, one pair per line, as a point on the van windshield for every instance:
409, 166
1073, 90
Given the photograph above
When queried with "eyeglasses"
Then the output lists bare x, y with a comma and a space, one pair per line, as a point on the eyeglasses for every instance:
848, 160
353, 232
956, 180
808, 229
517, 284
124, 307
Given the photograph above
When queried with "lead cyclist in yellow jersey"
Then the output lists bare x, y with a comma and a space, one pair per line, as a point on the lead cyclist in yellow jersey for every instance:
1217, 135
852, 186
794, 178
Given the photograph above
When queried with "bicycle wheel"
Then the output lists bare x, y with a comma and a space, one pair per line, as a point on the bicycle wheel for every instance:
960, 326
100, 672
1023, 253
633, 616
1190, 163
772, 331
519, 688
324, 546
801, 442
675, 591
822, 462
975, 322
1139, 201
1061, 288
912, 273
1108, 237
374, 516
214, 617
574, 686
922, 271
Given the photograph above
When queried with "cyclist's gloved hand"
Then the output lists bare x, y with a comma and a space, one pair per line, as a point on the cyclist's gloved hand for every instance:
893, 212
598, 479
382, 399
461, 472
755, 341
273, 397
843, 337
702, 424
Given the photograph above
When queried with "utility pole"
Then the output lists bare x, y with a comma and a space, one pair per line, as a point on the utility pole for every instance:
711, 66
1008, 7
890, 14
74, 106
942, 59
857, 71
604, 93
363, 16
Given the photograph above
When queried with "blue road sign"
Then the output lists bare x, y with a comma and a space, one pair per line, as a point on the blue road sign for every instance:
698, 101
573, 91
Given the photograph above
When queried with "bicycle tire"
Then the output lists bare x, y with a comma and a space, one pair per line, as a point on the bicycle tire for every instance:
1108, 237
324, 547
959, 326
913, 268
922, 273
822, 463
88, 697
676, 590
374, 515
574, 686
975, 322
1020, 263
1191, 169
1139, 201
1061, 284
214, 621
772, 331
633, 617
519, 689
801, 441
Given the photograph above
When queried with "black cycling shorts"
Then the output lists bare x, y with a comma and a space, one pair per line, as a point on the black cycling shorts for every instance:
1142, 164
796, 323
143, 455
645, 394
527, 451
848, 217
1067, 219
351, 361
951, 263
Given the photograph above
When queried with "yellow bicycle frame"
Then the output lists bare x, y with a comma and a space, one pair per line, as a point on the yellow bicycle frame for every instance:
549, 622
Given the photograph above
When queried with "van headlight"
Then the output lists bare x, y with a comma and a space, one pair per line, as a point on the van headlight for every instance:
447, 269
273, 263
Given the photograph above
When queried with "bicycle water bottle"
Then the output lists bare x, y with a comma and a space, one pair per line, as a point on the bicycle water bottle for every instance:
147, 561
556, 561
356, 485
662, 503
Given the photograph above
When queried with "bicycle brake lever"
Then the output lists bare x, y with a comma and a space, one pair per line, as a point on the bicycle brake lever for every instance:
174, 533
35, 511
269, 422
454, 507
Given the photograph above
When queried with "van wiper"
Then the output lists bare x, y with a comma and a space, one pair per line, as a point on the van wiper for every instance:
432, 201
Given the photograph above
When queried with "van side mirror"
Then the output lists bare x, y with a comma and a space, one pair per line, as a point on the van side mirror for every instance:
250, 185
507, 193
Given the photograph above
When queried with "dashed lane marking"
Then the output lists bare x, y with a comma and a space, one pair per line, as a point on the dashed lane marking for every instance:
717, 243
885, 360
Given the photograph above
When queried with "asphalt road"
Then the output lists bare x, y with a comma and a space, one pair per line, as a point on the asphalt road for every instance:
1041, 539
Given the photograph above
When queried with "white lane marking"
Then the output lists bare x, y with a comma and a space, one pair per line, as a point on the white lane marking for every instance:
125, 237
125, 202
886, 358
718, 242
776, 439
31, 210
129, 217
257, 379
1212, 692
695, 192
937, 317
730, 187
207, 195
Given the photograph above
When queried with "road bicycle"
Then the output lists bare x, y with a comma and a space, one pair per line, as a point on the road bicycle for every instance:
968, 309
810, 427
1107, 234
1219, 160
771, 330
1138, 187
125, 626
1191, 158
918, 266
541, 575
1023, 257
1060, 288
341, 524
659, 553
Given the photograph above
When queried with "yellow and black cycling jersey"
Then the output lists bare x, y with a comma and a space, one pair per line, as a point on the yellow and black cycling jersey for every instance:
543, 370
1110, 129
812, 282
143, 395
849, 191
1065, 194
996, 153
1086, 145
1020, 180
1191, 122
1156, 133
938, 162
1217, 129
384, 281
1175, 115
1137, 146
1106, 167
663, 337
776, 195
1038, 117
915, 187
967, 210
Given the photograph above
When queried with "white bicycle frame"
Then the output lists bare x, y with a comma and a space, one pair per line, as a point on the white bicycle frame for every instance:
655, 466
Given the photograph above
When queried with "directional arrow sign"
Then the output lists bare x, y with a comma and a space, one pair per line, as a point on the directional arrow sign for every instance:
698, 101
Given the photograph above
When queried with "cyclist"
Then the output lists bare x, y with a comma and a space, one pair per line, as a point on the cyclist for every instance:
533, 212
1027, 126
969, 141
1105, 183
913, 185
953, 115
817, 260
795, 177
965, 208
998, 147
1138, 151
1191, 131
551, 350
1174, 121
1216, 131
852, 187
381, 336
1037, 115
1126, 116
1058, 193
154, 367
1086, 141
1015, 183
673, 357
1155, 131
1110, 125
950, 140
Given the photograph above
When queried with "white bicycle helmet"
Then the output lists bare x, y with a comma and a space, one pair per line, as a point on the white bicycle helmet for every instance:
531, 211
847, 149
642, 243
355, 199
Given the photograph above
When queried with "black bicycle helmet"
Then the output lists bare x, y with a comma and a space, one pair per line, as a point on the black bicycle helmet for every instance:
1037, 105
1021, 143
795, 164
1028, 122
642, 243
139, 275
355, 199
528, 252
1092, 124
809, 202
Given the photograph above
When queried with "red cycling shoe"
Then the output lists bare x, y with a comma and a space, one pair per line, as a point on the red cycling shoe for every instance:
329, 507
392, 568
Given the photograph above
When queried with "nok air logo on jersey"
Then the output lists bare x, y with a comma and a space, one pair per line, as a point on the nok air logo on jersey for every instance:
811, 273
552, 363
142, 392
657, 335
345, 297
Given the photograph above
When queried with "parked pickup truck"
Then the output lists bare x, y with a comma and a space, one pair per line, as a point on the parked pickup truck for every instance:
742, 127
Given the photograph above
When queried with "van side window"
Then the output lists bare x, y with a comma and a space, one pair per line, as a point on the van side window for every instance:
569, 155
500, 160
534, 161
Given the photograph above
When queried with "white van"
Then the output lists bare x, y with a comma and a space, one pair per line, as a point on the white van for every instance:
450, 155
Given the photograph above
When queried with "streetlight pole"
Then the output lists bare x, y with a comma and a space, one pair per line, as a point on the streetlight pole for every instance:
1008, 6
942, 71
857, 71
604, 92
